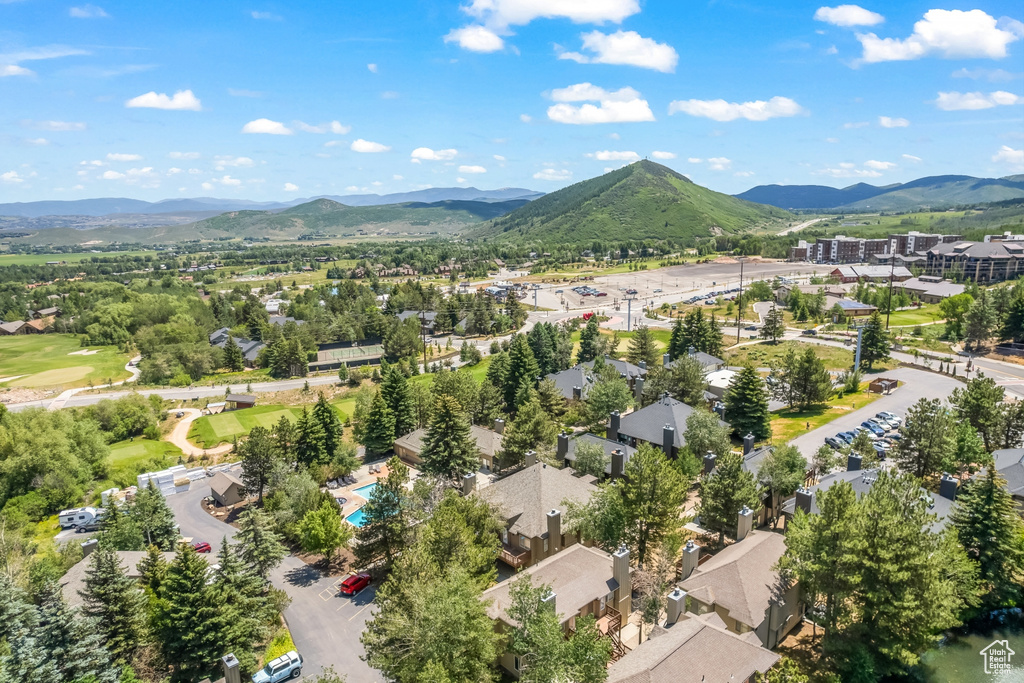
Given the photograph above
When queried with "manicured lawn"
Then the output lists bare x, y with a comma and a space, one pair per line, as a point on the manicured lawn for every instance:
762, 355
925, 314
787, 425
211, 430
41, 259
661, 339
45, 360
128, 459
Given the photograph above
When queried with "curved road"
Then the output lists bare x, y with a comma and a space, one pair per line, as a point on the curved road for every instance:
179, 436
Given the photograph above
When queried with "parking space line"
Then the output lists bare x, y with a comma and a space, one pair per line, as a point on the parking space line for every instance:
360, 611
329, 594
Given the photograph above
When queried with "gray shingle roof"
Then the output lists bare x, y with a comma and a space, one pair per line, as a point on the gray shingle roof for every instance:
620, 366
576, 376
692, 651
606, 444
577, 576
526, 497
488, 441
1010, 464
647, 424
740, 578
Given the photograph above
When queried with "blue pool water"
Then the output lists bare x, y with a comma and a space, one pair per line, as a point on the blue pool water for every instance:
365, 491
357, 518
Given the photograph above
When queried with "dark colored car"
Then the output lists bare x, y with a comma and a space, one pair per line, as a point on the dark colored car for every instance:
202, 547
355, 583
847, 437
834, 442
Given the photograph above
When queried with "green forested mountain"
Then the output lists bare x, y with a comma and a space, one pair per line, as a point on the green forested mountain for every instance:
644, 200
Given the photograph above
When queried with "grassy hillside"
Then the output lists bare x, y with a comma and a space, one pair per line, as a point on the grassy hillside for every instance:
644, 200
942, 191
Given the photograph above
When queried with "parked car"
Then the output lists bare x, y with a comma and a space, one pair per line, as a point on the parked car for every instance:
355, 583
631, 291
810, 333
892, 418
873, 428
180, 413
559, 291
896, 436
880, 450
657, 291
89, 526
881, 424
835, 443
846, 437
861, 428
601, 294
288, 665
202, 547
751, 327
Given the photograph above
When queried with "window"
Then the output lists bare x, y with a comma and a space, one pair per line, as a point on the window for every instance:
524, 542
516, 663
545, 545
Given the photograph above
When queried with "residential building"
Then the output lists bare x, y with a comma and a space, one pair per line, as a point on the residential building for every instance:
693, 649
16, 327
250, 348
1009, 462
240, 401
914, 241
1005, 237
930, 289
851, 308
488, 445
842, 249
707, 361
661, 424
227, 489
573, 383
980, 262
741, 585
583, 581
532, 501
848, 274
801, 252
633, 374
74, 580
617, 453
719, 381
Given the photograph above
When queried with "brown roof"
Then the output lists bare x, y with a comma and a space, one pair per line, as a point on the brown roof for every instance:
487, 441
691, 651
223, 481
527, 496
740, 578
577, 576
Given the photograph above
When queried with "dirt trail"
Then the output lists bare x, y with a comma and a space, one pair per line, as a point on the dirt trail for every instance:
179, 436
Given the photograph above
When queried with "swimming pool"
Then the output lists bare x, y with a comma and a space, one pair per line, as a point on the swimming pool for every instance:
357, 518
365, 491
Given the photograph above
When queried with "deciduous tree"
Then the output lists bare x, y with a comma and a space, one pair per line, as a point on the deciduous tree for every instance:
323, 532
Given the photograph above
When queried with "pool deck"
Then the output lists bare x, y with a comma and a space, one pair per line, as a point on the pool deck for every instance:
363, 478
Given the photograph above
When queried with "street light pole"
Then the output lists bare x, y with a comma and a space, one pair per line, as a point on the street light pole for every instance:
892, 275
739, 299
629, 312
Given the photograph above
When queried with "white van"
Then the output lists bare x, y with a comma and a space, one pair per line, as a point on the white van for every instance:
76, 517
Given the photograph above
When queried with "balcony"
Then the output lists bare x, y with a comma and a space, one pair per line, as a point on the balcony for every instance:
513, 556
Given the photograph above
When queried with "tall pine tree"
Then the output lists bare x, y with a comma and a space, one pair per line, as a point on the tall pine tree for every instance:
310, 440
448, 448
379, 432
398, 396
259, 545
588, 342
723, 494
73, 644
522, 369
746, 405
114, 600
233, 358
324, 413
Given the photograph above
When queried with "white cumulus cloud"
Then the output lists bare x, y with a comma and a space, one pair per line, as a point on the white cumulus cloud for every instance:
1014, 158
112, 175
609, 155
553, 174
719, 163
504, 13
946, 33
847, 170
228, 180
625, 47
472, 169
266, 127
332, 127
427, 154
183, 100
15, 70
367, 147
372, 68
87, 12
848, 15
619, 106
475, 38
291, 187
184, 155
955, 101
124, 157
498, 157
663, 155
720, 110
11, 177
890, 122
695, 160
880, 165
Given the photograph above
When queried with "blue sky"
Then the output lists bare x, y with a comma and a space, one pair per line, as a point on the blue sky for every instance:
274, 100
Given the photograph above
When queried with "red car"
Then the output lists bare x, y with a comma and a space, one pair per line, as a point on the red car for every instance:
354, 584
202, 547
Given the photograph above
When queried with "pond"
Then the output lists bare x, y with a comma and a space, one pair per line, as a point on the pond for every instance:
959, 660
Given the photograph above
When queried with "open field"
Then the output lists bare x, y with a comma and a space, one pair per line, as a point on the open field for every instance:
212, 430
43, 360
763, 354
928, 313
128, 459
41, 259
787, 424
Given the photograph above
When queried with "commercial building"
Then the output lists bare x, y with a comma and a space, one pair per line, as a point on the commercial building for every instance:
930, 289
847, 274
980, 262
915, 242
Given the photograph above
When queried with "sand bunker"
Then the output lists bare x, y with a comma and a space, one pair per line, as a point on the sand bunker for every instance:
12, 377
84, 352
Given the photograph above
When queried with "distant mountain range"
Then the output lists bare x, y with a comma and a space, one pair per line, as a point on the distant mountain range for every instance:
643, 200
119, 205
936, 192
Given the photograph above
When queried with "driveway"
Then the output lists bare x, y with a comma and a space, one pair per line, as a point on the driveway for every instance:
325, 627
918, 384
179, 436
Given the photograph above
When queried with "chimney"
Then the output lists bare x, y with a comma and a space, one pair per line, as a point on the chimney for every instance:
804, 497
744, 523
577, 393
554, 532
666, 360
748, 444
947, 486
232, 674
638, 387
549, 600
499, 425
531, 458
720, 409
709, 462
620, 572
563, 446
853, 462
691, 556
613, 426
624, 376
676, 606
468, 483
618, 463
642, 365
668, 440
691, 351
89, 546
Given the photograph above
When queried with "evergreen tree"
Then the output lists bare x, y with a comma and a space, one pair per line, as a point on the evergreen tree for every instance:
811, 383
497, 371
652, 493
874, 345
642, 347
249, 614
774, 325
325, 414
259, 456
323, 532
530, 429
711, 338
542, 343
449, 449
153, 569
990, 529
150, 511
723, 494
980, 403
687, 380
120, 530
927, 438
550, 397
379, 434
676, 348
588, 342
74, 645
310, 440
782, 472
114, 601
284, 439
522, 369
233, 358
746, 405
25, 659
397, 395
385, 527
259, 545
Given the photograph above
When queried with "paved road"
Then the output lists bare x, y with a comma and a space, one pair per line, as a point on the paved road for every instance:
798, 228
918, 384
324, 626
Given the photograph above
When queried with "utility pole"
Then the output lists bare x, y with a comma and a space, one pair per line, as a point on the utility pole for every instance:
423, 337
739, 299
892, 273
629, 312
